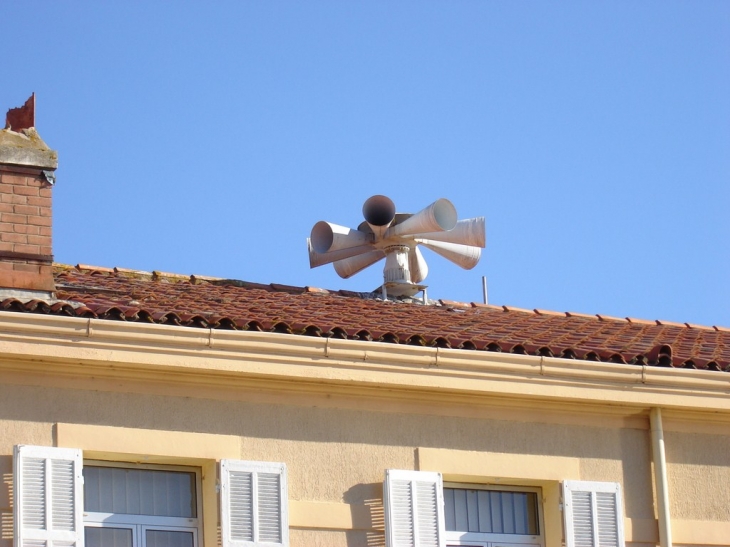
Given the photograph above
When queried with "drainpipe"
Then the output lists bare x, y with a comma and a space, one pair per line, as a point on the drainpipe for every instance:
660, 477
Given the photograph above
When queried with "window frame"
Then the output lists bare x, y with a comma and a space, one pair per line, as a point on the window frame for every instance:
141, 523
486, 539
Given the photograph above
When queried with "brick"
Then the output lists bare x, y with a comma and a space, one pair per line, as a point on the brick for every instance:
15, 179
46, 270
26, 229
26, 210
6, 208
44, 192
37, 240
6, 265
14, 218
26, 191
39, 202
4, 246
31, 249
13, 238
39, 221
24, 267
7, 227
9, 197
46, 249
44, 231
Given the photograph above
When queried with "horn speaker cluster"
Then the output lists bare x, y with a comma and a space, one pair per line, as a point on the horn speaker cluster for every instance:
396, 238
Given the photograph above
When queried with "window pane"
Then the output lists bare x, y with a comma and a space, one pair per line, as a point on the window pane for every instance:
449, 509
495, 500
139, 492
485, 512
107, 537
491, 511
462, 522
472, 510
167, 538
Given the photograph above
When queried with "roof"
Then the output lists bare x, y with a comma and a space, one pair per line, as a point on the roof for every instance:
120, 294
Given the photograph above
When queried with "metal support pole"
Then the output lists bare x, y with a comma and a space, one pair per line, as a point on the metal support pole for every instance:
484, 289
660, 477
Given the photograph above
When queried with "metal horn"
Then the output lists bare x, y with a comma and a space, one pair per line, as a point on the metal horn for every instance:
350, 266
328, 237
417, 265
320, 259
379, 212
437, 217
470, 231
466, 256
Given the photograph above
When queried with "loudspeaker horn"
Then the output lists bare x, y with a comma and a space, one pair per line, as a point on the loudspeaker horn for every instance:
350, 266
437, 217
470, 231
320, 259
466, 256
328, 237
417, 265
379, 212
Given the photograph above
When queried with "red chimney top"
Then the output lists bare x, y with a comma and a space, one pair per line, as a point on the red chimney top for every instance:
22, 117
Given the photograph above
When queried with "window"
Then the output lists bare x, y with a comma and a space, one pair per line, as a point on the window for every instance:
57, 499
419, 510
138, 506
482, 515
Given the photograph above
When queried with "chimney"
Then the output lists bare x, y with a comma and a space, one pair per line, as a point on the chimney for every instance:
27, 174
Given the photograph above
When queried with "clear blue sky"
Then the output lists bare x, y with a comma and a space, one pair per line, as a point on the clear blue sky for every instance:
208, 139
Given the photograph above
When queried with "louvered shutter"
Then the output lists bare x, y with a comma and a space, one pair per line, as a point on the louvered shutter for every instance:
48, 497
254, 504
414, 509
593, 514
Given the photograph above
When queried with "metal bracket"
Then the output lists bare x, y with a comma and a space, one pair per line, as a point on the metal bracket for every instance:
50, 177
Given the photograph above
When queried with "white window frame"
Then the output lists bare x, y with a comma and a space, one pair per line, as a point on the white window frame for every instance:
487, 539
140, 523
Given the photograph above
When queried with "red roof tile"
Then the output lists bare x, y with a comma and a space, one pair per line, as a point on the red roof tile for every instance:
197, 301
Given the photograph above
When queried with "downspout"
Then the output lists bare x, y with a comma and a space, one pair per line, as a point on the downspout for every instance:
660, 477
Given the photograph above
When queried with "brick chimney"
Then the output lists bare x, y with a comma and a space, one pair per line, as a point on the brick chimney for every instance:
27, 174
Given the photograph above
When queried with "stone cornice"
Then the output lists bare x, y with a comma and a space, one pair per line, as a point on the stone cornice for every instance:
169, 355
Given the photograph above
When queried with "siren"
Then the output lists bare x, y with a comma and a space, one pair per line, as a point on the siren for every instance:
396, 237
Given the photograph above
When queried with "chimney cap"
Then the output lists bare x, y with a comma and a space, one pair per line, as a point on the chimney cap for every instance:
20, 143
22, 117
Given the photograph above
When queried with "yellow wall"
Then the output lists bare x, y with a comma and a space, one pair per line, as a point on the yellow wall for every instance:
337, 457
340, 412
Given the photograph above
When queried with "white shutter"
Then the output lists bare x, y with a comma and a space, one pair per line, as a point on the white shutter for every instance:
254, 509
414, 509
593, 513
48, 497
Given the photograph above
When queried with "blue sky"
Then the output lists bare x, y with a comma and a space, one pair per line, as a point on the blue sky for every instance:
208, 139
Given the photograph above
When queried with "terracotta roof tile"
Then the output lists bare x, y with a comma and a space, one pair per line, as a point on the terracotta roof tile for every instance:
206, 302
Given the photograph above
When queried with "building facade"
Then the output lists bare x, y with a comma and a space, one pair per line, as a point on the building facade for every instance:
146, 409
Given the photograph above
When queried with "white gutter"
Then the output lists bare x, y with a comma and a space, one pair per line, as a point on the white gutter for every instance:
660, 477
